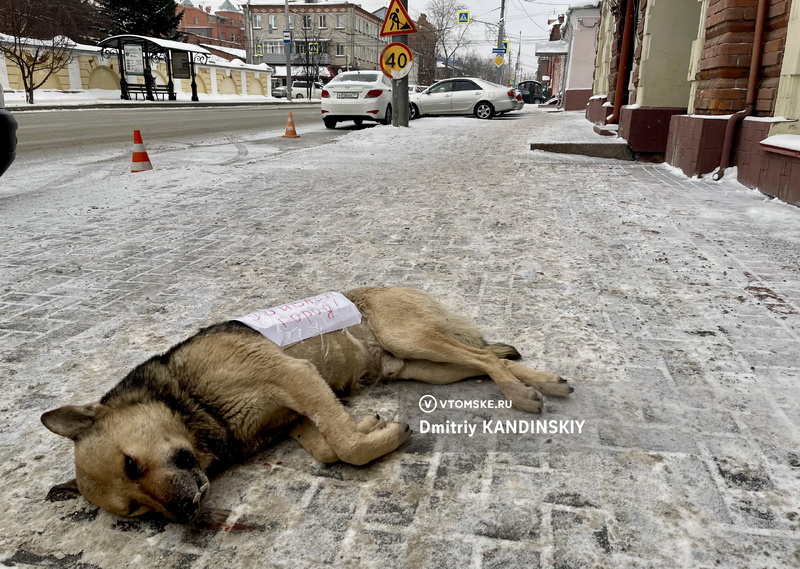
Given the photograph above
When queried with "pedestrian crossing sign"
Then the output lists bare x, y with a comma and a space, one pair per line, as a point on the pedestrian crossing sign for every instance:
313, 47
463, 17
397, 21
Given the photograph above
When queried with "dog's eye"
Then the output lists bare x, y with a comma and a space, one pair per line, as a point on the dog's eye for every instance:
132, 470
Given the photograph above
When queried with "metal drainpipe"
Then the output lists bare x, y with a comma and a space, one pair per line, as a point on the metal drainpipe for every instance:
752, 88
624, 55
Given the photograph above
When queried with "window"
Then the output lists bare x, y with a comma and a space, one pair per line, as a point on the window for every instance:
195, 21
273, 21
323, 21
306, 21
222, 36
444, 87
233, 37
291, 21
339, 49
274, 47
257, 21
462, 85
339, 20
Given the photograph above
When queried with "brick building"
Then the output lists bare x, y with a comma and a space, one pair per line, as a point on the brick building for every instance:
213, 23
705, 85
423, 44
551, 56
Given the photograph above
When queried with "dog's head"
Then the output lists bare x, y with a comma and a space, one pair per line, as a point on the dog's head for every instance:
133, 460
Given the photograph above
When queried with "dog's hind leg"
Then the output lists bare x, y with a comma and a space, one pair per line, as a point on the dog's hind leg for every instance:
435, 372
461, 361
442, 373
546, 383
411, 325
303, 390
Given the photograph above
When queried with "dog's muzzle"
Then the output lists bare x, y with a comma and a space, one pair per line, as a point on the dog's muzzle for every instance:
184, 508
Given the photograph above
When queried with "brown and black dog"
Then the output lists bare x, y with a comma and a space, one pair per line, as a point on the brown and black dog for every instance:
222, 394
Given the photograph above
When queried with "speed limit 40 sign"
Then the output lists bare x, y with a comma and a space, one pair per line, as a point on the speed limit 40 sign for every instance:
396, 60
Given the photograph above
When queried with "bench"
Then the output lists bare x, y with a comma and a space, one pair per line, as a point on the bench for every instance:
158, 91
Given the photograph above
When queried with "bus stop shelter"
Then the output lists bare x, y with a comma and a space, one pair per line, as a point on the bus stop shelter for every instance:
137, 55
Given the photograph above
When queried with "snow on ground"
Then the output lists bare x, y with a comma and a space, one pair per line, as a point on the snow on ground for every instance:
48, 97
671, 304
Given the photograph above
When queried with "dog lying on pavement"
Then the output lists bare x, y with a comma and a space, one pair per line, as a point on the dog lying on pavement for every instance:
219, 396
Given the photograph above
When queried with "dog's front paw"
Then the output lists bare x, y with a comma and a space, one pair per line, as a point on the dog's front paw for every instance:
524, 397
559, 387
370, 423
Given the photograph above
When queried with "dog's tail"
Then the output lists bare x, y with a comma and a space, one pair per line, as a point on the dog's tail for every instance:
504, 351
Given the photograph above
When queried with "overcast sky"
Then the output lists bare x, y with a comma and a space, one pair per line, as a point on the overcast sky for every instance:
528, 17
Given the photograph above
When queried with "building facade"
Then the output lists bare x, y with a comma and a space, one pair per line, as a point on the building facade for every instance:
213, 24
705, 85
579, 31
551, 57
339, 35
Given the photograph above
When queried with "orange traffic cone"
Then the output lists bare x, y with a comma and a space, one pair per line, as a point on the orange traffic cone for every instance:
290, 131
140, 161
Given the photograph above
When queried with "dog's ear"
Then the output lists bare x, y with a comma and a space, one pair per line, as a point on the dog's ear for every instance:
65, 491
72, 421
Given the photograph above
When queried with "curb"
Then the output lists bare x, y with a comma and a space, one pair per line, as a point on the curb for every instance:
155, 105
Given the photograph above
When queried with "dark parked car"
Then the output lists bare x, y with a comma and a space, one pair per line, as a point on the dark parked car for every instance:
8, 136
532, 92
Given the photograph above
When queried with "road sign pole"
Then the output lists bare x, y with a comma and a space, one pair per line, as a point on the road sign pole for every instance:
398, 23
500, 32
287, 47
400, 92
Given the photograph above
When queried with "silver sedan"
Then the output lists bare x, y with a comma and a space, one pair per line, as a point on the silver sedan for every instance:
463, 96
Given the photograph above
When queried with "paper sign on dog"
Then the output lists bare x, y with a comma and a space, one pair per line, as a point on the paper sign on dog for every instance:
297, 321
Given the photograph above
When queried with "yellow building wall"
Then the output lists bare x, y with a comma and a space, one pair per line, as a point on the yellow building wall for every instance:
98, 73
787, 103
696, 54
669, 30
602, 69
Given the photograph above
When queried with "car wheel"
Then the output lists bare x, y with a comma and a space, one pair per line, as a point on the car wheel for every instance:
358, 122
329, 122
387, 118
298, 96
484, 110
413, 112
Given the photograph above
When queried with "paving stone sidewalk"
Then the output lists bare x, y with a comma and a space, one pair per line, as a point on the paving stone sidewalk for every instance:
672, 305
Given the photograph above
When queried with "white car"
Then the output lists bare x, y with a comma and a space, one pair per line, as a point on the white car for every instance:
357, 96
520, 102
464, 96
299, 90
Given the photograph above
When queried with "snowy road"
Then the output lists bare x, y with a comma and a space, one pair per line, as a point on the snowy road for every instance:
86, 130
673, 306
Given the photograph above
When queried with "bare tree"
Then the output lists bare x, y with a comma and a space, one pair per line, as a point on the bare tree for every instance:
309, 48
450, 35
32, 37
475, 65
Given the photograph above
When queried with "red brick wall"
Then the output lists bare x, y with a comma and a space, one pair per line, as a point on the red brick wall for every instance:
595, 111
695, 143
725, 61
773, 174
